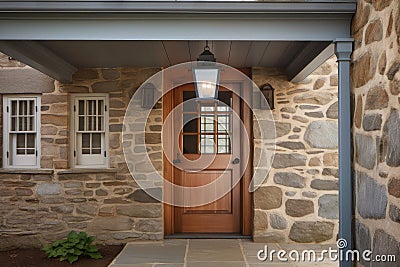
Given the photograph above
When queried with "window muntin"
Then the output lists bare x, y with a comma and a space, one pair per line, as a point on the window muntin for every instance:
21, 137
90, 131
207, 125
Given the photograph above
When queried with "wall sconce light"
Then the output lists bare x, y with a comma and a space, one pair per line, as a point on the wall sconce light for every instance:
268, 92
148, 95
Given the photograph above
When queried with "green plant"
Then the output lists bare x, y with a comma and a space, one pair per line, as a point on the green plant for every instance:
73, 247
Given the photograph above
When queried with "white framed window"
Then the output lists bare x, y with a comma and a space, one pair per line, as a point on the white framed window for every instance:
21, 126
89, 131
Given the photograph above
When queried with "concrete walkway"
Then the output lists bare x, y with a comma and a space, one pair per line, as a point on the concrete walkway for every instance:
209, 253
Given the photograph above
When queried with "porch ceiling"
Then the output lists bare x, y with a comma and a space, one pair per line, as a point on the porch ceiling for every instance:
239, 54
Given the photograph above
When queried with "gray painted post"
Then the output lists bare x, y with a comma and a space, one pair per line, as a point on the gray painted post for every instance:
343, 50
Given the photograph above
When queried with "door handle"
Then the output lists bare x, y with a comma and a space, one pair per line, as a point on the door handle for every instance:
236, 161
177, 160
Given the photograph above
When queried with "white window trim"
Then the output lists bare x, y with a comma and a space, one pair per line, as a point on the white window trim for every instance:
6, 128
73, 147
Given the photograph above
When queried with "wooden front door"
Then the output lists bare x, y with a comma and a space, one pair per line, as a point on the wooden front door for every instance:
207, 151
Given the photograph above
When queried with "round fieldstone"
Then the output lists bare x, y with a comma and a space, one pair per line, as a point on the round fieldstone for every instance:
290, 193
260, 220
394, 187
372, 198
317, 114
289, 179
328, 206
291, 145
105, 87
394, 68
377, 98
372, 122
288, 160
363, 240
385, 244
324, 184
322, 134
299, 207
332, 111
110, 74
362, 16
365, 151
363, 70
48, 189
277, 221
319, 83
309, 194
331, 159
309, 232
394, 213
268, 197
141, 196
314, 98
395, 87
391, 133
374, 31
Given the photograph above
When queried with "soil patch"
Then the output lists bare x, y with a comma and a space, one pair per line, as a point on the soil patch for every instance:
37, 258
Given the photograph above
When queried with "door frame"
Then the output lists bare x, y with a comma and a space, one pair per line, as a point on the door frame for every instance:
246, 197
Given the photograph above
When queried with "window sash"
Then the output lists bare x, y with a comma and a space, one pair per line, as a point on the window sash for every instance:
90, 131
21, 131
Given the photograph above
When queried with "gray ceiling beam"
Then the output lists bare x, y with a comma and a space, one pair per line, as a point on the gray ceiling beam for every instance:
314, 64
310, 58
176, 28
180, 6
39, 57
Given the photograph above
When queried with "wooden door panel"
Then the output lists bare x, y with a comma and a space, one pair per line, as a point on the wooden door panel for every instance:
222, 205
221, 214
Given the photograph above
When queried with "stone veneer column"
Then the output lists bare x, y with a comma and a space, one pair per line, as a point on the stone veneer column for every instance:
343, 50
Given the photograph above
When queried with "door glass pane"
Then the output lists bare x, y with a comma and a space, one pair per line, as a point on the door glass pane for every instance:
207, 108
224, 123
207, 123
190, 144
224, 144
207, 144
189, 106
190, 123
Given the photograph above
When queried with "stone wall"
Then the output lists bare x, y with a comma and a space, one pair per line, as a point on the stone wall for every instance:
298, 201
39, 206
376, 126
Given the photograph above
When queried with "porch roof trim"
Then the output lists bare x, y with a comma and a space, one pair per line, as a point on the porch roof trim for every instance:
223, 7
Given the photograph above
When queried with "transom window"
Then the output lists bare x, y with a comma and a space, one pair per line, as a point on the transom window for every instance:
90, 130
21, 125
207, 125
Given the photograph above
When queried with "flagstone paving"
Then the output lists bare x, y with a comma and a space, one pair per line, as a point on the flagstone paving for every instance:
211, 252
